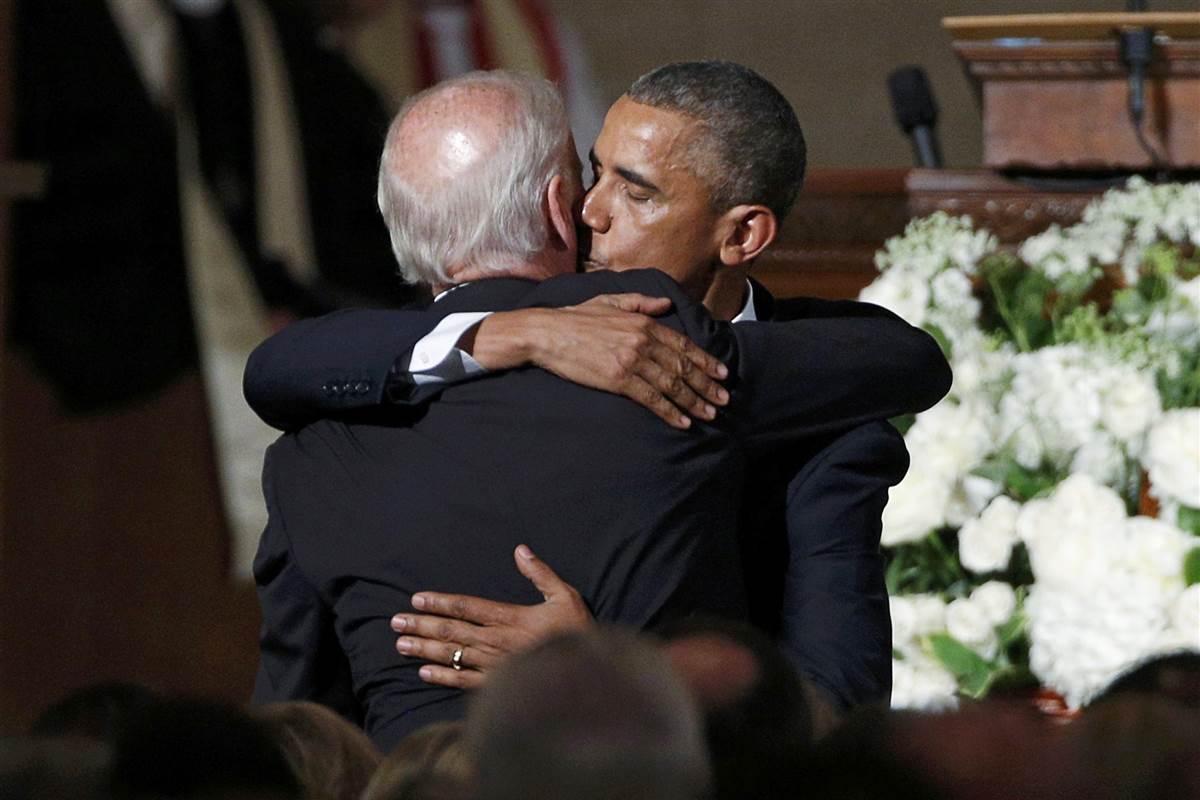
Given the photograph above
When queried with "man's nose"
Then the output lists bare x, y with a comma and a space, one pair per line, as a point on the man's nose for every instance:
595, 213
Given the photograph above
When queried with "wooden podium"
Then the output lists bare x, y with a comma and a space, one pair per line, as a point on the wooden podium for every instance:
1056, 133
1054, 92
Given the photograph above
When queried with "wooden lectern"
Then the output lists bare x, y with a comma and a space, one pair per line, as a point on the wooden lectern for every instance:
1056, 133
1054, 91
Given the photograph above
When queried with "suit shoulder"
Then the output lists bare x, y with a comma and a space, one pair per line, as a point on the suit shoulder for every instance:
794, 308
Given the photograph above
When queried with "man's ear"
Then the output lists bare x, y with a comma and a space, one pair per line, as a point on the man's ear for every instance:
747, 231
562, 221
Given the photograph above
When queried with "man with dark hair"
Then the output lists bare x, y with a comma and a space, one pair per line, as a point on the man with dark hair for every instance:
485, 173
750, 149
819, 589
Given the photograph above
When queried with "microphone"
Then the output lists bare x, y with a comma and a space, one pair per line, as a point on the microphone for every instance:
1136, 49
916, 112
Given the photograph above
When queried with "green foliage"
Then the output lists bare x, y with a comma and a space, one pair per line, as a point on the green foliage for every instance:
974, 675
903, 422
1181, 390
930, 565
1022, 483
1018, 302
1189, 519
1191, 567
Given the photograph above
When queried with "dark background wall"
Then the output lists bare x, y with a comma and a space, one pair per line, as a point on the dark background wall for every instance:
829, 57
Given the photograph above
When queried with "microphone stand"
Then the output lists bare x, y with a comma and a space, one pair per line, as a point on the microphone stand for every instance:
1136, 47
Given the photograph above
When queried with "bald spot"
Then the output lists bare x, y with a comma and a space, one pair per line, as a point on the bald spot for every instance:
448, 135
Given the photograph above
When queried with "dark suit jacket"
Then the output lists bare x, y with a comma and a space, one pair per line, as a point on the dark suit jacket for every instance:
364, 513
828, 608
99, 292
827, 493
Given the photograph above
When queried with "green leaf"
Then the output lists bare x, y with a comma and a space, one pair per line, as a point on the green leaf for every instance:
903, 422
1189, 519
1191, 567
1011, 630
973, 674
1025, 484
995, 470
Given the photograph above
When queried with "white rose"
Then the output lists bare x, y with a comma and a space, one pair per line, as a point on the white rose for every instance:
1156, 551
922, 685
1101, 458
997, 600
1172, 457
904, 621
967, 622
969, 497
1072, 535
1185, 617
916, 506
901, 291
929, 613
1130, 404
985, 543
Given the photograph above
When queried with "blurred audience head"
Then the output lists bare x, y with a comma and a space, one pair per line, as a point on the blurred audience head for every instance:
591, 714
756, 713
34, 768
750, 149
859, 761
430, 764
331, 758
99, 711
464, 177
1174, 677
199, 750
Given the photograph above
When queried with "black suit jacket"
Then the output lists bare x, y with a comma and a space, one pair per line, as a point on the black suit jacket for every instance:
98, 287
828, 606
364, 513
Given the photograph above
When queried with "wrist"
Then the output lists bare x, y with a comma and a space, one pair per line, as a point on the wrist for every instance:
503, 340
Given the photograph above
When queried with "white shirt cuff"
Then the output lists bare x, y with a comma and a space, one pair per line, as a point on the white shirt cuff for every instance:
437, 359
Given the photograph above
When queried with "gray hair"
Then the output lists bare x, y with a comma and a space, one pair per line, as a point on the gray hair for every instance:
494, 218
751, 148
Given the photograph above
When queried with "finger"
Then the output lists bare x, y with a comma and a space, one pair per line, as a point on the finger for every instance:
544, 579
441, 629
705, 362
674, 387
644, 394
455, 679
633, 302
443, 653
464, 607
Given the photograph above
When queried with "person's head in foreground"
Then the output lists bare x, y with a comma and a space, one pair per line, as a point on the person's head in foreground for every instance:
696, 166
478, 178
430, 764
332, 759
592, 714
756, 713
199, 750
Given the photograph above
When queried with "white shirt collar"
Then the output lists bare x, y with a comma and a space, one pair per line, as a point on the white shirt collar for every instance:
747, 313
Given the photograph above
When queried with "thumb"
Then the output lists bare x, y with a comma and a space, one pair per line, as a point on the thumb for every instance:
636, 303
544, 579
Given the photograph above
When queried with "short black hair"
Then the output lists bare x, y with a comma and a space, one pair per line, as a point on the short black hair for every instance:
751, 149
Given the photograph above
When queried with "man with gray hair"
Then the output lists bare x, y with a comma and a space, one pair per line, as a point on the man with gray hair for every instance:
367, 509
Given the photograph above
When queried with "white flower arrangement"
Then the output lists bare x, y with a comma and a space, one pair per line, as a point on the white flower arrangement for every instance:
1021, 544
